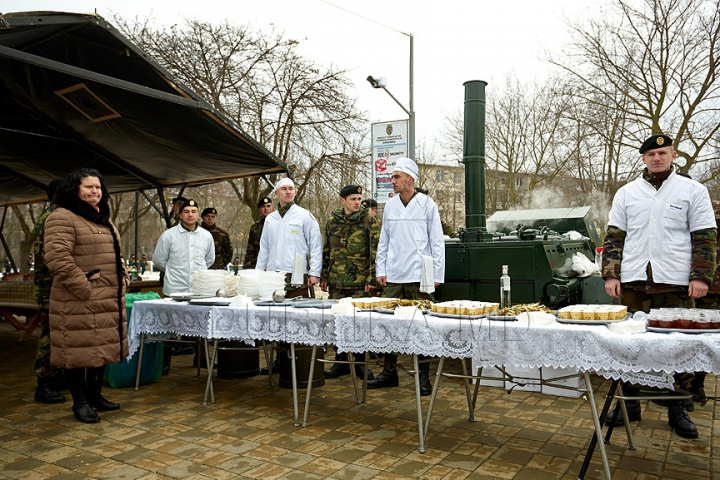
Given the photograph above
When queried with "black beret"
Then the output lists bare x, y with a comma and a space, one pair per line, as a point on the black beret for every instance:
369, 203
350, 190
179, 199
264, 201
209, 210
188, 203
422, 190
656, 141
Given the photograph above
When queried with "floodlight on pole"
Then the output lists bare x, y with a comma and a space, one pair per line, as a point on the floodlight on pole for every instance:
381, 82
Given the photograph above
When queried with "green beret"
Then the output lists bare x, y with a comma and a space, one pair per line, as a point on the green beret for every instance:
209, 210
264, 201
188, 203
350, 190
656, 141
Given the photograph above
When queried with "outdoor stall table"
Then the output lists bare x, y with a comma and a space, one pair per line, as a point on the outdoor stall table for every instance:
649, 358
309, 326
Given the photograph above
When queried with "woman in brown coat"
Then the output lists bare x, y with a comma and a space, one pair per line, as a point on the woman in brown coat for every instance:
88, 328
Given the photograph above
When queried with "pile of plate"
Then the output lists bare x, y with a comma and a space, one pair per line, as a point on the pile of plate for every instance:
247, 282
208, 282
269, 282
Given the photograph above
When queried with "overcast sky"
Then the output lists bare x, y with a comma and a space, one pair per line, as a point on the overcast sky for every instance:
455, 40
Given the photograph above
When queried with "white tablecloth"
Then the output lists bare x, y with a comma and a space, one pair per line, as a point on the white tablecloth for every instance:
648, 358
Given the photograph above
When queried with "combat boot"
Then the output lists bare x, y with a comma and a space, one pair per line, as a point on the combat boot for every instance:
338, 369
45, 393
680, 421
633, 409
388, 377
425, 385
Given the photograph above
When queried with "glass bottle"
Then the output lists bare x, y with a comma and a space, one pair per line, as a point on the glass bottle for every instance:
505, 288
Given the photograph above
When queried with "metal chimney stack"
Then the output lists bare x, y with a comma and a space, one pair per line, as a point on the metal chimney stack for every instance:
474, 158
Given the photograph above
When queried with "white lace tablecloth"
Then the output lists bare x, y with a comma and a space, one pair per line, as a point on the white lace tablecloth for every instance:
311, 326
648, 358
157, 317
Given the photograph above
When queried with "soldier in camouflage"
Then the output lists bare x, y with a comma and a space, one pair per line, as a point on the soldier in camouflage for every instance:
48, 376
660, 250
223, 247
348, 270
265, 208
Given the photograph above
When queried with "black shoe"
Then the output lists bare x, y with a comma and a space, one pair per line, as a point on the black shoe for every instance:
689, 405
387, 378
360, 372
45, 394
275, 368
680, 421
633, 409
101, 404
85, 413
338, 370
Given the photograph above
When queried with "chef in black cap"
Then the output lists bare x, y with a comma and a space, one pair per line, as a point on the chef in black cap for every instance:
660, 251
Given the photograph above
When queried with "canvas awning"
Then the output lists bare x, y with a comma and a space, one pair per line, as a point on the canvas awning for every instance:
76, 93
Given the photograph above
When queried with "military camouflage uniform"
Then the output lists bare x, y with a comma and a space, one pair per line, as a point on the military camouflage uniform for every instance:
43, 282
448, 229
253, 246
349, 253
223, 247
644, 295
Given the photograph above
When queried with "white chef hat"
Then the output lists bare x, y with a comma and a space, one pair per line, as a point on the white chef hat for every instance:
407, 165
282, 183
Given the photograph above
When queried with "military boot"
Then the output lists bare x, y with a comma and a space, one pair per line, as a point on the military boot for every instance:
697, 388
425, 385
338, 369
167, 359
388, 377
680, 421
633, 409
46, 393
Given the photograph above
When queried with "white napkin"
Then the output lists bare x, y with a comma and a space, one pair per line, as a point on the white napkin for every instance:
342, 309
296, 280
427, 282
408, 312
535, 318
627, 327
241, 300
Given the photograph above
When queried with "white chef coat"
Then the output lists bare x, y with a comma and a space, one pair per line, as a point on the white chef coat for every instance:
282, 237
658, 225
179, 252
407, 234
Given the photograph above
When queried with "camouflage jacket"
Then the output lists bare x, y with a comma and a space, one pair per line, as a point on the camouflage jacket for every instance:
223, 247
43, 278
253, 246
349, 249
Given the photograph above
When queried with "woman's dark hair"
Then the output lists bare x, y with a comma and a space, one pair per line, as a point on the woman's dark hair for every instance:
75, 179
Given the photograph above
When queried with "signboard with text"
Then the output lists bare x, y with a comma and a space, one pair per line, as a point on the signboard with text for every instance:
389, 142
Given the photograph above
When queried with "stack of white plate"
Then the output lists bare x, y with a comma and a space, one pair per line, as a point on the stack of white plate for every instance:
269, 282
208, 282
247, 282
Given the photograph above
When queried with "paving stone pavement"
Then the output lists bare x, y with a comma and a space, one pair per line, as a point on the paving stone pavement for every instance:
164, 431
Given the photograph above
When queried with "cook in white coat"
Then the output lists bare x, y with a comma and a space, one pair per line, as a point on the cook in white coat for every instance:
183, 249
288, 231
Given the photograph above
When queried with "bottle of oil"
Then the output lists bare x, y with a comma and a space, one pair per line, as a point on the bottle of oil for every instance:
505, 301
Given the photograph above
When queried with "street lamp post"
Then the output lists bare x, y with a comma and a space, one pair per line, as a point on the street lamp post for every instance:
381, 82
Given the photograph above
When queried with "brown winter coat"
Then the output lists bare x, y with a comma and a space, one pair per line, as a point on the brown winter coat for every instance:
88, 327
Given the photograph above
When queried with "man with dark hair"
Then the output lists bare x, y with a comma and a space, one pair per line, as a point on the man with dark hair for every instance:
265, 208
181, 250
223, 247
351, 237
660, 251
48, 376
371, 205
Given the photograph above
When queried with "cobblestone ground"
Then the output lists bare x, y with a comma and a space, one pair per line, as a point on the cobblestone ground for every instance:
164, 431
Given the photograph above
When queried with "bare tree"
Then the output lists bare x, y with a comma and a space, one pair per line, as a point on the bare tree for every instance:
655, 67
298, 109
